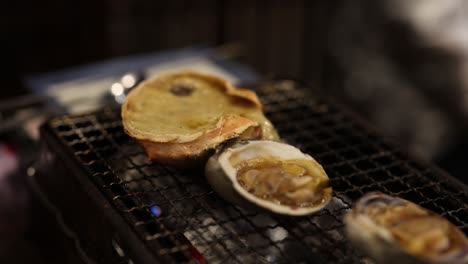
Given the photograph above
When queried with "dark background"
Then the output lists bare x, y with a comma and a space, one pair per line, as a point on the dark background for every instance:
299, 39
274, 36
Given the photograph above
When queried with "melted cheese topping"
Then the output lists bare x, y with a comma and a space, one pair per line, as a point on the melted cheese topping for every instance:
184, 105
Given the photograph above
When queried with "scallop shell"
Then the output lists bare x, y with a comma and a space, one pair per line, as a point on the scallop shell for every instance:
393, 230
222, 175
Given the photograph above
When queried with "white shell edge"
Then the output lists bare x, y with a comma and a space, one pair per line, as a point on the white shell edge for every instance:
271, 148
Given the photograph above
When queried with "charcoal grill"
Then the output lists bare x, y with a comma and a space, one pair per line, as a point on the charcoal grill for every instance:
113, 197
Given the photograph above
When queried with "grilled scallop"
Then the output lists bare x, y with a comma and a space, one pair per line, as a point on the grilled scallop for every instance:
270, 175
178, 118
393, 230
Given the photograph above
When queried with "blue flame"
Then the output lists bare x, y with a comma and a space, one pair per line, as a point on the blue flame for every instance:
155, 210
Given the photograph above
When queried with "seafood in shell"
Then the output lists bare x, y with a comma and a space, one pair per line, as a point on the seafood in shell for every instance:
179, 118
393, 230
270, 175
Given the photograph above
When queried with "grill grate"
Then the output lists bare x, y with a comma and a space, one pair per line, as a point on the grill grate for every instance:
178, 216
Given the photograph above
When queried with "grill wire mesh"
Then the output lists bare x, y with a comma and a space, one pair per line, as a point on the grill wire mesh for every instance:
179, 217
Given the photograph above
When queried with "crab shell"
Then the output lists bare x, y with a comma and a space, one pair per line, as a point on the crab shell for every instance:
222, 175
378, 243
239, 115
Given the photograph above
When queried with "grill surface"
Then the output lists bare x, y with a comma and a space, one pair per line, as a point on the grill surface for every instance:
179, 217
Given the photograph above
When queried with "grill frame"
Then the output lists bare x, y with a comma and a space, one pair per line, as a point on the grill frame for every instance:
285, 102
83, 197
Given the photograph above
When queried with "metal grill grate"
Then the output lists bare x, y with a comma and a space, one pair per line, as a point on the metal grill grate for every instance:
179, 217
